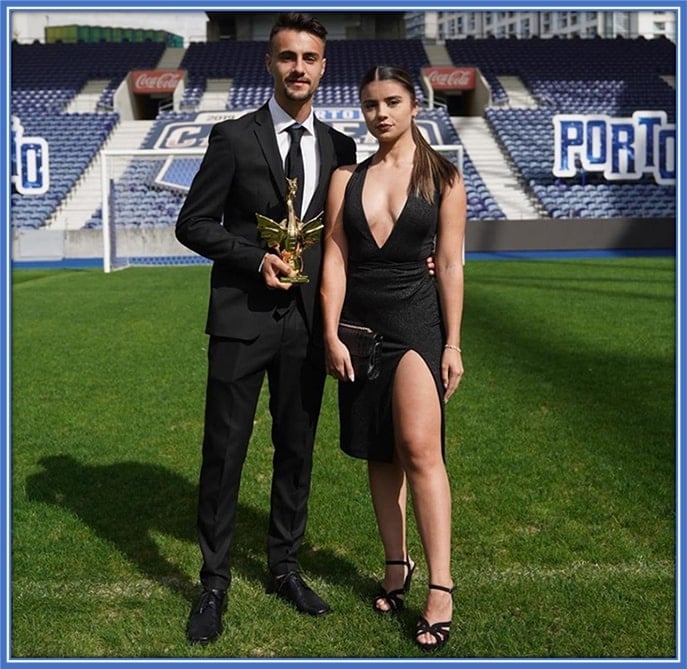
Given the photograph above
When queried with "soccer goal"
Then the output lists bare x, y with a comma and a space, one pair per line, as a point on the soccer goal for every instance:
142, 193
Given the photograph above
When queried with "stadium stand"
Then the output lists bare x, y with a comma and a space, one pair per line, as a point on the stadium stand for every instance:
612, 77
158, 206
244, 63
45, 78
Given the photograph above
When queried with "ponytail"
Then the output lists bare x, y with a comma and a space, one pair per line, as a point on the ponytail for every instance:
431, 171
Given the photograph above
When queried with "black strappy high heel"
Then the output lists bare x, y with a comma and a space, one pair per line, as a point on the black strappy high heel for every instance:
440, 631
394, 599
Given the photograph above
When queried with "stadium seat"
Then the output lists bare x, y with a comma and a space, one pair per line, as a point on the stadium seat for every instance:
612, 77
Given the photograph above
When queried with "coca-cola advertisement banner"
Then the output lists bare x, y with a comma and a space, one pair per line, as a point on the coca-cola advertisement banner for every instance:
450, 78
155, 81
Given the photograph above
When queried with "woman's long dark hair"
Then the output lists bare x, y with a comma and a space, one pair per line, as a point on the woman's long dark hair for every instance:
431, 171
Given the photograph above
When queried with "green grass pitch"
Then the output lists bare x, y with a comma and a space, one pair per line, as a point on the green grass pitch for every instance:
560, 448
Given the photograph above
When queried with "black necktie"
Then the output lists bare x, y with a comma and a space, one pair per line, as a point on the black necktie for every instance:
294, 163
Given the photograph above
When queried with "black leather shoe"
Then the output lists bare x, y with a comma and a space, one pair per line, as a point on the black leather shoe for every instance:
205, 621
293, 589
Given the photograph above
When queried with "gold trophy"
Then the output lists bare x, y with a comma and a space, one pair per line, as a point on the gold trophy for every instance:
291, 236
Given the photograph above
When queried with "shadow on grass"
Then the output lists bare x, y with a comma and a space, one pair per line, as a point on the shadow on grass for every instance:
127, 503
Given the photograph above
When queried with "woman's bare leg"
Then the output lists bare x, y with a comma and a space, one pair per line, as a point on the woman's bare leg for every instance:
389, 499
417, 428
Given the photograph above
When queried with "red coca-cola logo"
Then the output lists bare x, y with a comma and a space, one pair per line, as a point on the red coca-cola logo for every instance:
155, 81
450, 78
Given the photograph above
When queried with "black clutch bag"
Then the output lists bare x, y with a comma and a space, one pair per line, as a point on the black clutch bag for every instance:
365, 347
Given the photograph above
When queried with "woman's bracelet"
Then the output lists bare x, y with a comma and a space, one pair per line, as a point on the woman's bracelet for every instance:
454, 348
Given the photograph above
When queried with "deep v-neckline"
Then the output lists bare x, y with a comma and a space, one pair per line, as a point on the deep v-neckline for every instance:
366, 221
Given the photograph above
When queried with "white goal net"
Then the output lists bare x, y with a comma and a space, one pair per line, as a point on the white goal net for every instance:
142, 193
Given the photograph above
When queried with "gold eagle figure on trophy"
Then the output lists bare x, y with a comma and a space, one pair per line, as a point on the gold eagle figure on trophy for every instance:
291, 236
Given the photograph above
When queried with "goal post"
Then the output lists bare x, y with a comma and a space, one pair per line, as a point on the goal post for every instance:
142, 193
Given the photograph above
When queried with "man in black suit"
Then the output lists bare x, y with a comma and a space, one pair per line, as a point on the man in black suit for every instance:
257, 324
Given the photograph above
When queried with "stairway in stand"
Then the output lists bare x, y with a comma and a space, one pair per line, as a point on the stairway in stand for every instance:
492, 166
86, 196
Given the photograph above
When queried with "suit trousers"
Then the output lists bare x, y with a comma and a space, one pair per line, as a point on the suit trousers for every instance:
236, 371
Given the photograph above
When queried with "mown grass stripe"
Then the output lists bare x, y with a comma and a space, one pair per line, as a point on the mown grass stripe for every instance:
75, 589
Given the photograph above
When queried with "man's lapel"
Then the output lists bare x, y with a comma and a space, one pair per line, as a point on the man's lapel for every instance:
264, 131
327, 158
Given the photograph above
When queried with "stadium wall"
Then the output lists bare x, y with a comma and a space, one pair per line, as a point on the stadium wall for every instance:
615, 234
545, 235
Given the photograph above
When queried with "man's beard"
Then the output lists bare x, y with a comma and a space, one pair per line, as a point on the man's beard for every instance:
298, 96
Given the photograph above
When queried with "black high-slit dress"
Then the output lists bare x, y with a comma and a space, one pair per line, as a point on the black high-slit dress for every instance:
388, 289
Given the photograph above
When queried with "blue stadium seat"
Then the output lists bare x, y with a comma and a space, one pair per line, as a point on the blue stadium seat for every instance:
613, 77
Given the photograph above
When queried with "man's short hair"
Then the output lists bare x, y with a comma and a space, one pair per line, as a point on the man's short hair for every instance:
300, 22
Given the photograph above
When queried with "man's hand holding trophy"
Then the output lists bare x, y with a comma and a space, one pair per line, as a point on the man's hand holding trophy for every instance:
291, 236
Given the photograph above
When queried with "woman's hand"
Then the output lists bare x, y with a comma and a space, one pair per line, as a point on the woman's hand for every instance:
338, 360
431, 266
451, 371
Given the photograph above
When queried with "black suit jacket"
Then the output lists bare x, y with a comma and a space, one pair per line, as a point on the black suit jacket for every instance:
241, 174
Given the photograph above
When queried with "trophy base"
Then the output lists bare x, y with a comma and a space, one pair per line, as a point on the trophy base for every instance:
294, 279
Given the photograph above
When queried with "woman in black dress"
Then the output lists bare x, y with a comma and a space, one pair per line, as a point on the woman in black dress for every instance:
384, 218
